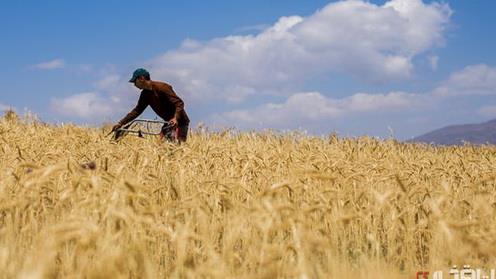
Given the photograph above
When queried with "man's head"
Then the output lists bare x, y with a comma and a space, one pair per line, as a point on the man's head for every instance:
141, 79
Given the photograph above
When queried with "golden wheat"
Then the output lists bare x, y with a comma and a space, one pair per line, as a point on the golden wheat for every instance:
73, 204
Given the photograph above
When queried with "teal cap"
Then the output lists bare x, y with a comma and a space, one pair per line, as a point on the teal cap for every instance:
138, 73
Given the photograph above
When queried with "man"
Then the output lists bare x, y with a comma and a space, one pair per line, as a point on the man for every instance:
163, 100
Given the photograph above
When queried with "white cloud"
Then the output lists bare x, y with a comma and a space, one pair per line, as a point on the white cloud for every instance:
315, 107
368, 41
85, 105
392, 101
252, 28
472, 80
50, 65
109, 82
112, 97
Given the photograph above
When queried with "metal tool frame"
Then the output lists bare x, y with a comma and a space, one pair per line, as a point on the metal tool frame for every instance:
127, 129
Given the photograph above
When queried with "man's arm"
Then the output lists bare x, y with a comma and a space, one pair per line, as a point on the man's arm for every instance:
140, 107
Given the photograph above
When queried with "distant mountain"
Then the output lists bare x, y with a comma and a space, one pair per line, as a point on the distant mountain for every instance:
455, 135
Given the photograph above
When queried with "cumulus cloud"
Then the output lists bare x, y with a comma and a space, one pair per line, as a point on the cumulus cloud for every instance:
253, 28
317, 108
112, 96
85, 105
371, 42
472, 80
50, 65
109, 82
313, 106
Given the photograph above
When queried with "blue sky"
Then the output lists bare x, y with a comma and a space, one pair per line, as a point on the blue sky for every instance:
354, 67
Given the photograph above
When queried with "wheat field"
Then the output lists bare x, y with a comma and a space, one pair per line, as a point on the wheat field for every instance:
74, 204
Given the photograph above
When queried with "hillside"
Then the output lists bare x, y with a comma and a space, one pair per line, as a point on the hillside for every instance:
225, 205
482, 133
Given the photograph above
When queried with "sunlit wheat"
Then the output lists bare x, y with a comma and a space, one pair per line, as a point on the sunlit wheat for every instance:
73, 204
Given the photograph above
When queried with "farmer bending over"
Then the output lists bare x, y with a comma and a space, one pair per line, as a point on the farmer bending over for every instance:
162, 99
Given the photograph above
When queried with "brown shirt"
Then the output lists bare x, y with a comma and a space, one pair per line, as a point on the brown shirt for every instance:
164, 102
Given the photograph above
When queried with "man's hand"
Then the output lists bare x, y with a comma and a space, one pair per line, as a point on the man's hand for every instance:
173, 122
116, 127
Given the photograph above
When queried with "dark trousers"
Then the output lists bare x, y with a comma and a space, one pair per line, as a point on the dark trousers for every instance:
182, 133
179, 133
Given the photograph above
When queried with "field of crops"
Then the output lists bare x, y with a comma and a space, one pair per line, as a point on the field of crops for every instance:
73, 204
